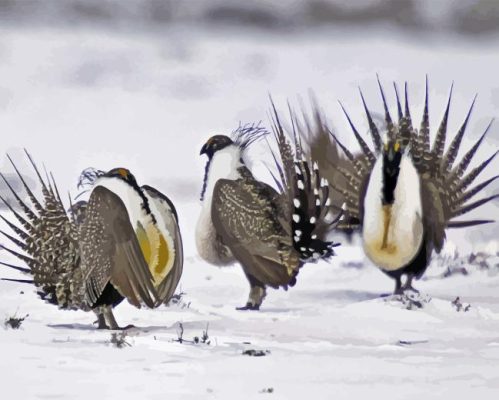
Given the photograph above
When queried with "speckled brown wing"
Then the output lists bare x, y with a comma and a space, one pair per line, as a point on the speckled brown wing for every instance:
246, 214
110, 252
434, 219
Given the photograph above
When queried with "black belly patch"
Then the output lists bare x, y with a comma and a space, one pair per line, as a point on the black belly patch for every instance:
109, 297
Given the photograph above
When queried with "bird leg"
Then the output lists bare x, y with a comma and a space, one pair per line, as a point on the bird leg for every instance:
408, 284
110, 320
255, 298
100, 318
398, 286
256, 295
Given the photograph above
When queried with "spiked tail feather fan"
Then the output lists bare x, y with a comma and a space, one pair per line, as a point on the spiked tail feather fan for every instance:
45, 242
305, 193
310, 209
433, 164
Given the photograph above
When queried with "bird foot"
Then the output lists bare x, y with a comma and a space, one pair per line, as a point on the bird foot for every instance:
125, 328
410, 288
115, 328
249, 307
101, 326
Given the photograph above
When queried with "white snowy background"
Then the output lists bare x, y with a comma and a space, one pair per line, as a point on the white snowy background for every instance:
143, 85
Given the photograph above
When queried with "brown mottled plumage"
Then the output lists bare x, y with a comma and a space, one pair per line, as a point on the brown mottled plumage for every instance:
270, 233
91, 257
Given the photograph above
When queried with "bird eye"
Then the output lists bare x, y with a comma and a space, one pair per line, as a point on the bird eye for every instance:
396, 146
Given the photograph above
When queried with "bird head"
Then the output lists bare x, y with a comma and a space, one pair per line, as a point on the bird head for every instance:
123, 174
89, 176
214, 144
392, 155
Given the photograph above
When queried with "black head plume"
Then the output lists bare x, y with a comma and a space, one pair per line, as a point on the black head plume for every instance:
88, 177
247, 134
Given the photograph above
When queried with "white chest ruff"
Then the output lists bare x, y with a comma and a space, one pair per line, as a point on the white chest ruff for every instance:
130, 198
208, 243
223, 165
394, 247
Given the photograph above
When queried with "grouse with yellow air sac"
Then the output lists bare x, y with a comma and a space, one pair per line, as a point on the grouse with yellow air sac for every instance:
123, 243
404, 194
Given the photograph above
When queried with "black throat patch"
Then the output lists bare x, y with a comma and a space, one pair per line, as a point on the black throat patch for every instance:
205, 179
391, 169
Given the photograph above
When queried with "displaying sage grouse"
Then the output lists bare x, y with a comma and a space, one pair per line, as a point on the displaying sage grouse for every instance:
270, 233
123, 243
404, 194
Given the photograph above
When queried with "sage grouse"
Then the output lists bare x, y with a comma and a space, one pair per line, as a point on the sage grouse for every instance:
270, 233
404, 194
123, 243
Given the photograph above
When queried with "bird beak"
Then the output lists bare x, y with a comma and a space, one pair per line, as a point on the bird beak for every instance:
203, 149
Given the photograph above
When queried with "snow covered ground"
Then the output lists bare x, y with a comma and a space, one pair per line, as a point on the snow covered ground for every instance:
148, 100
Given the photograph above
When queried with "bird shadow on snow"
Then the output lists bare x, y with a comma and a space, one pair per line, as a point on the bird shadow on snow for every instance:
346, 295
91, 327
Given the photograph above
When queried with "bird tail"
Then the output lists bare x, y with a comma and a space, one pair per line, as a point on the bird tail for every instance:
309, 207
44, 239
453, 176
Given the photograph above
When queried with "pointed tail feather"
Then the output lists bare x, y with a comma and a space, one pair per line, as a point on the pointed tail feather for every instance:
399, 106
29, 213
31, 196
424, 130
466, 224
21, 269
19, 232
45, 191
407, 111
359, 165
26, 225
363, 145
285, 149
388, 118
472, 206
439, 143
461, 167
450, 156
30, 281
28, 260
17, 242
468, 179
477, 189
372, 126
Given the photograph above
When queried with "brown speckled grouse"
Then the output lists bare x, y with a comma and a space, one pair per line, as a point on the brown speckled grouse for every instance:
124, 243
